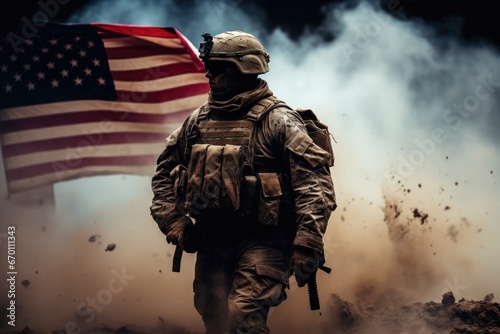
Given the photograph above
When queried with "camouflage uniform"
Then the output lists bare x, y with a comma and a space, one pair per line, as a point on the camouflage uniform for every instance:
243, 264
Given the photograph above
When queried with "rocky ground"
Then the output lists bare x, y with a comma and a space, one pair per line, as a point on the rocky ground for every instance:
446, 317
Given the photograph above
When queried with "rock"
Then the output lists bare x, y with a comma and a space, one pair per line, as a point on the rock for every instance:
489, 297
26, 330
448, 298
110, 248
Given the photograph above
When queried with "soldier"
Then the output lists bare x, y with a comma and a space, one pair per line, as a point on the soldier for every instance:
243, 184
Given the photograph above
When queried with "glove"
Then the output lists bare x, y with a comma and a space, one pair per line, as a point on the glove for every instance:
305, 263
191, 240
184, 234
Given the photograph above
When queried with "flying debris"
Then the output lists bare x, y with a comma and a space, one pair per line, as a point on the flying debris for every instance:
93, 238
423, 216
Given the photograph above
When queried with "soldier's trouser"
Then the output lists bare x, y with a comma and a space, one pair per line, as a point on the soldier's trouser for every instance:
233, 291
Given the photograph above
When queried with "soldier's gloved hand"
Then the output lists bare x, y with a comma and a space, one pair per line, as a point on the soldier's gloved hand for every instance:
184, 234
305, 263
191, 240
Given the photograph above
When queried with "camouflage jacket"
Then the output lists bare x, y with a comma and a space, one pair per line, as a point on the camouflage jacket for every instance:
281, 145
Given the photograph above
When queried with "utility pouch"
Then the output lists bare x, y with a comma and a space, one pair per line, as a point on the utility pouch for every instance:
269, 198
214, 180
231, 171
178, 175
249, 197
212, 177
196, 173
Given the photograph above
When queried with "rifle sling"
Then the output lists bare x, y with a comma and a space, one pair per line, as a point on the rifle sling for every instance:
176, 263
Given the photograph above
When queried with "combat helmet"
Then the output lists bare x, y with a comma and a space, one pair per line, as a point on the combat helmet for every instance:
240, 48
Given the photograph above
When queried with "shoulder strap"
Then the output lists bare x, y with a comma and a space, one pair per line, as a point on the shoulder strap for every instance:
262, 107
191, 127
256, 113
203, 112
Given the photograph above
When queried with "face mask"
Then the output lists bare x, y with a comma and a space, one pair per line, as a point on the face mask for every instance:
225, 80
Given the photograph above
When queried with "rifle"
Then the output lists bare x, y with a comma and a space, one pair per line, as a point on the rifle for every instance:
312, 288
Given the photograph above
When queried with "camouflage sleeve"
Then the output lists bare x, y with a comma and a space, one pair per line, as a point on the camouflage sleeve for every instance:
163, 208
311, 181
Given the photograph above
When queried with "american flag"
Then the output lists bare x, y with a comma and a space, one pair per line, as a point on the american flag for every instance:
91, 99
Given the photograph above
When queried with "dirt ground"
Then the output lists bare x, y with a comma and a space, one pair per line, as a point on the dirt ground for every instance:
447, 317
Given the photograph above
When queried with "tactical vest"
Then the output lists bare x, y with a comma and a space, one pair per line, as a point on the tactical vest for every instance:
220, 182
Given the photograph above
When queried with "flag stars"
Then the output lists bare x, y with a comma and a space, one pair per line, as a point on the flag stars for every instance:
77, 38
51, 64
54, 68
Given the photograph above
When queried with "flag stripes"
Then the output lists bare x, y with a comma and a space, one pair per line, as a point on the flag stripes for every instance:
90, 105
158, 81
93, 116
179, 70
94, 139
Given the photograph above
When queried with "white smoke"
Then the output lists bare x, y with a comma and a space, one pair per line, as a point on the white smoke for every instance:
391, 92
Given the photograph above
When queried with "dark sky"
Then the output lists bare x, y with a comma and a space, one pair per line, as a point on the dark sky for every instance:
474, 21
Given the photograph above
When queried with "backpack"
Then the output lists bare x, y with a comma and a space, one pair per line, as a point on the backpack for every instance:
317, 130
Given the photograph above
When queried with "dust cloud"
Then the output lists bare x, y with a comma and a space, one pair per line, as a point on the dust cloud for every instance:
107, 267
416, 179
